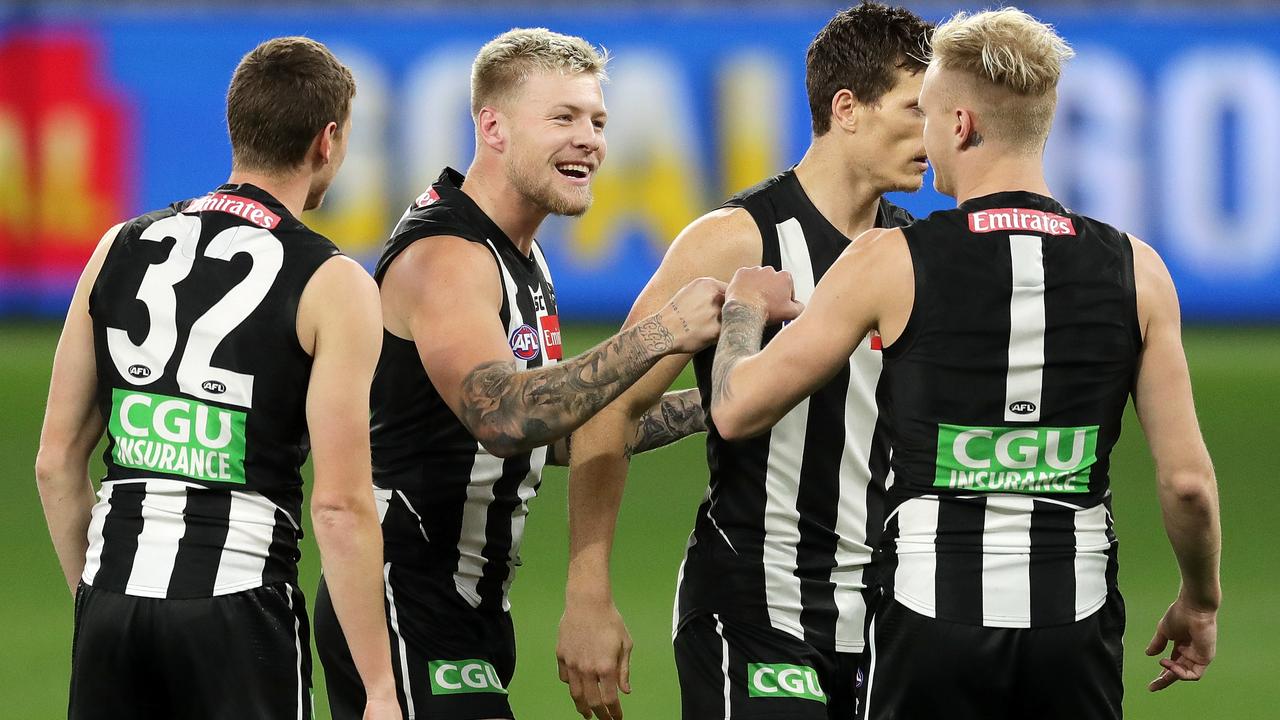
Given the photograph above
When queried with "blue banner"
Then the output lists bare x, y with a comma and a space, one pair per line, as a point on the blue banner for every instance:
1166, 128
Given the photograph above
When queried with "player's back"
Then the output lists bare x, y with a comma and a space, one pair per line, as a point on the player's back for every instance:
785, 534
1008, 384
203, 382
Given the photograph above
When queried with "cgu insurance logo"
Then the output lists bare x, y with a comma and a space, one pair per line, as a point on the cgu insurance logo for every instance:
1016, 459
784, 681
177, 436
453, 677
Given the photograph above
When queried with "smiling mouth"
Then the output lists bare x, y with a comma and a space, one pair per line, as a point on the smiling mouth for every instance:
577, 171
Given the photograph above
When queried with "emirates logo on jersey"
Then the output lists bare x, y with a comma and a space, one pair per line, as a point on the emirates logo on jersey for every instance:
1006, 219
550, 326
427, 198
254, 212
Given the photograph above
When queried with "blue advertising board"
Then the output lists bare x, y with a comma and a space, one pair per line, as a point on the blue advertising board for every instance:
1166, 128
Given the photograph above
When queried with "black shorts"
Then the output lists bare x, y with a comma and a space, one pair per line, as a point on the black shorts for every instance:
927, 668
228, 657
731, 669
450, 660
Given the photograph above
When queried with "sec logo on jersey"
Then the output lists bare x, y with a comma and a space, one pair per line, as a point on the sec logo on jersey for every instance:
524, 343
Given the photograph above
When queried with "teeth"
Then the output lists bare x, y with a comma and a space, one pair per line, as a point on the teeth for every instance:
575, 168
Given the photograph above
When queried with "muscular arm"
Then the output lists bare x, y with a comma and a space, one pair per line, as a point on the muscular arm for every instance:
870, 286
72, 427
594, 644
1185, 482
345, 341
677, 415
443, 292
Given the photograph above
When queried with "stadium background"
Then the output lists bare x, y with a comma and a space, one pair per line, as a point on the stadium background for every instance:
1167, 127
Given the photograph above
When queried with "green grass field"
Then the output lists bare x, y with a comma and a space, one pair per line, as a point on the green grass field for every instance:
1237, 380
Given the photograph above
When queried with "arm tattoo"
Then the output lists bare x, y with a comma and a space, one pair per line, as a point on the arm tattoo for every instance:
741, 327
677, 415
511, 411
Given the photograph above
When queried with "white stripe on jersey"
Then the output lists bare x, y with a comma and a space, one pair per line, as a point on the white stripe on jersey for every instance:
486, 470
98, 518
1006, 561
1092, 554
162, 528
250, 530
528, 488
1025, 380
852, 552
914, 581
786, 456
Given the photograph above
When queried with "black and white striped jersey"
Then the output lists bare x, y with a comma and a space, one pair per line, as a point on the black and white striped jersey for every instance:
454, 507
1008, 385
785, 533
203, 384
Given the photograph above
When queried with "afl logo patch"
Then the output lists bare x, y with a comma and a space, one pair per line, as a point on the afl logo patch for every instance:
213, 386
139, 371
524, 343
1022, 407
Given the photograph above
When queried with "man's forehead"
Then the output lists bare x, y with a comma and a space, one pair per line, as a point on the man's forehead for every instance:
554, 85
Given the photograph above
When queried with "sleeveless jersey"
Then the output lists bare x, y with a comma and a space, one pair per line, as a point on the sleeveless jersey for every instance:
785, 532
1008, 384
203, 384
449, 506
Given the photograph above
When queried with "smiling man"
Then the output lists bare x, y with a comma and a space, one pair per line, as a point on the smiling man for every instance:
469, 395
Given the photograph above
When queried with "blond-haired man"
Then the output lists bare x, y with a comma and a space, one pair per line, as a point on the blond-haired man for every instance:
470, 392
1014, 331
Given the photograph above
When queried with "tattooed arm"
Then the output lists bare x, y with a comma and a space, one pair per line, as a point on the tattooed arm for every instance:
871, 285
444, 293
676, 416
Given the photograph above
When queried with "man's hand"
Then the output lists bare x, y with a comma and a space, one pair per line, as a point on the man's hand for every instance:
767, 289
1194, 634
693, 315
594, 655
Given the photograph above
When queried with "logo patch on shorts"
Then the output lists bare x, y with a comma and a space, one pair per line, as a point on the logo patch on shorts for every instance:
455, 677
784, 681
524, 342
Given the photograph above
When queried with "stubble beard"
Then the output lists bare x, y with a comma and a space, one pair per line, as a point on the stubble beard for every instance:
545, 196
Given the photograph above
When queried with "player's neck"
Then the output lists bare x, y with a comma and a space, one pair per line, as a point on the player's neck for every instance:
290, 190
518, 219
847, 201
1001, 173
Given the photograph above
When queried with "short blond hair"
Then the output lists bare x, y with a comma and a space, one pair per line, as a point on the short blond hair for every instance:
1013, 62
507, 60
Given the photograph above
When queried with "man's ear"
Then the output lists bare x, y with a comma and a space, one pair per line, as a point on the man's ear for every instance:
845, 110
322, 147
491, 128
966, 129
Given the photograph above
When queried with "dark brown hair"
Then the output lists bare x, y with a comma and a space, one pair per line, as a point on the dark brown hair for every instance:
858, 50
283, 93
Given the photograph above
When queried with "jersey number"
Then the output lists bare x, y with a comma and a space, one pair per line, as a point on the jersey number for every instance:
144, 363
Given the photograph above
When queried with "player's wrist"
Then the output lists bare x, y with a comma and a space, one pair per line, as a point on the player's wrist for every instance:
1205, 601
